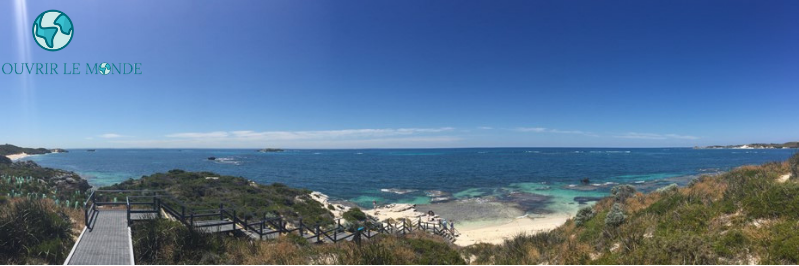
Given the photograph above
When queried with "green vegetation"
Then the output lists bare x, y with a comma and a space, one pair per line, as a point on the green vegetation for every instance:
740, 217
354, 215
583, 215
622, 192
8, 149
205, 190
5, 160
40, 212
794, 162
27, 179
34, 232
167, 242
616, 215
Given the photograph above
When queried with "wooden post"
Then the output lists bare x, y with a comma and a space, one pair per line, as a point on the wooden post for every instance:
183, 213
221, 217
358, 237
318, 235
301, 233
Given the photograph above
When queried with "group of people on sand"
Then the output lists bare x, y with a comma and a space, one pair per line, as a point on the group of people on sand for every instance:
441, 221
431, 217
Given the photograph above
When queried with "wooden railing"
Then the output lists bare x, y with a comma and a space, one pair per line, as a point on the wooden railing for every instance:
156, 202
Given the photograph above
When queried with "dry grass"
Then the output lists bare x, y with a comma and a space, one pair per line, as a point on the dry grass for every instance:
710, 189
640, 201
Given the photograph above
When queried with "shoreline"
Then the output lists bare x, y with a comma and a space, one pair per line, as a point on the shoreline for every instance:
500, 220
15, 157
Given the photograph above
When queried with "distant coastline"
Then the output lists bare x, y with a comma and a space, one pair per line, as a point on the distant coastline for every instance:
787, 145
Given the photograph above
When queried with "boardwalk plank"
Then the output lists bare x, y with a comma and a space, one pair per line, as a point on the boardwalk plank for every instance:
107, 243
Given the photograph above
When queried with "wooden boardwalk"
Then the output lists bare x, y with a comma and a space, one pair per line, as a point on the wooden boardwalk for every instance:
106, 240
108, 243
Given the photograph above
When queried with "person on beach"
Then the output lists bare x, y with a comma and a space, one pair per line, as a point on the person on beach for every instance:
444, 224
431, 215
452, 225
374, 204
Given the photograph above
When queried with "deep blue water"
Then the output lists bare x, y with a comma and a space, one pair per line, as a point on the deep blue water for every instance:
359, 175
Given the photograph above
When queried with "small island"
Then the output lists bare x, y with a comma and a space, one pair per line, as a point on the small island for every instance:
270, 150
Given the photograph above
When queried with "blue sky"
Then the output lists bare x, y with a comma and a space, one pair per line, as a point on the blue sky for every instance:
380, 74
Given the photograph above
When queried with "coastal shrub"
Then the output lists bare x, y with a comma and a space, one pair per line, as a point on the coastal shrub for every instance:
783, 248
5, 160
162, 241
430, 252
616, 215
529, 248
777, 200
354, 215
670, 188
731, 243
583, 215
673, 249
793, 163
201, 192
622, 192
593, 229
480, 253
32, 231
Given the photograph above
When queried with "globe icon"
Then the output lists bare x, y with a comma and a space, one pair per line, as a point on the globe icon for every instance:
104, 69
52, 30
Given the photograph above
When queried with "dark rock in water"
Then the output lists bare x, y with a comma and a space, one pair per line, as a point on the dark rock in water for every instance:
528, 202
583, 200
212, 158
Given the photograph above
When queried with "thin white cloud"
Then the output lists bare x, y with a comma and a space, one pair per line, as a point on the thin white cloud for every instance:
654, 136
308, 135
532, 129
216, 134
347, 138
556, 131
485, 128
110, 136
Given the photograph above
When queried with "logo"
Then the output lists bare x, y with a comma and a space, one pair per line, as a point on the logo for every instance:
52, 30
104, 69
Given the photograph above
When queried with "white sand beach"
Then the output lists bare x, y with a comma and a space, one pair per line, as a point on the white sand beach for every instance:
17, 156
496, 233
493, 231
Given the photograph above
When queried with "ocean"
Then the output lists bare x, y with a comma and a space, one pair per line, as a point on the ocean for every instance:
541, 179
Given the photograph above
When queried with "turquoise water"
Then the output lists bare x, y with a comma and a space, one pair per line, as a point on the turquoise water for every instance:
428, 175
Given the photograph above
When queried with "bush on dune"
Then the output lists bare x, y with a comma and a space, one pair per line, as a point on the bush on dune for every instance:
34, 232
622, 192
616, 215
583, 215
794, 165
